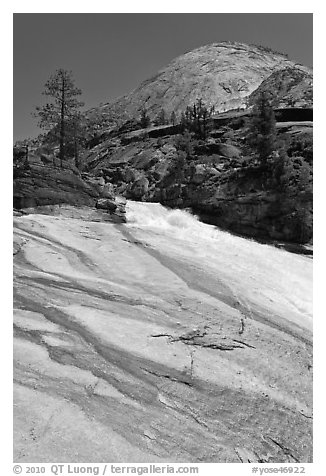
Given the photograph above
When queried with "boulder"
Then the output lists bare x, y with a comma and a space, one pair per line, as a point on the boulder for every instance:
106, 204
228, 150
168, 149
120, 201
130, 175
144, 160
116, 208
158, 155
139, 188
199, 174
108, 191
160, 169
121, 204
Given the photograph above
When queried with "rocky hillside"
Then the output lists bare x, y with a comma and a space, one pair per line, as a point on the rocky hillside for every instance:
290, 87
223, 74
218, 181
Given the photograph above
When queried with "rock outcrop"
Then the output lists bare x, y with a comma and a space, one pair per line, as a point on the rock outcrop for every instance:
116, 207
289, 87
39, 184
138, 189
42, 187
220, 184
201, 346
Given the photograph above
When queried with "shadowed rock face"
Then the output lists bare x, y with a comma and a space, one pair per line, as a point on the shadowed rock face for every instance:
37, 185
222, 74
47, 187
146, 343
219, 183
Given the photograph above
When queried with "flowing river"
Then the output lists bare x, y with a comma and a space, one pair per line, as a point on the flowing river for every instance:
257, 274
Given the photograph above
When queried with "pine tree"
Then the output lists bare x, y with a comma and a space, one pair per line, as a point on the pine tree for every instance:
76, 136
161, 118
262, 128
55, 115
196, 119
183, 122
144, 118
173, 118
184, 143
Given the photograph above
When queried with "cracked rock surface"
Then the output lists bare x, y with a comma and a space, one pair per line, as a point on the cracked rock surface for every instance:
137, 343
223, 74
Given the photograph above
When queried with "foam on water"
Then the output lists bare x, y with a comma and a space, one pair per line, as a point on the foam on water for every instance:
262, 270
184, 225
180, 223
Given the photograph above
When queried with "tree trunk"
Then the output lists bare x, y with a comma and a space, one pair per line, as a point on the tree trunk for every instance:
62, 123
76, 151
26, 157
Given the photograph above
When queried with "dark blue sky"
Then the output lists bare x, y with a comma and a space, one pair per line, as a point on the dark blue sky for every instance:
110, 54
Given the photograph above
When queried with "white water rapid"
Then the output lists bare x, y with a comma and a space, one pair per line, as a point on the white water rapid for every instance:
275, 279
